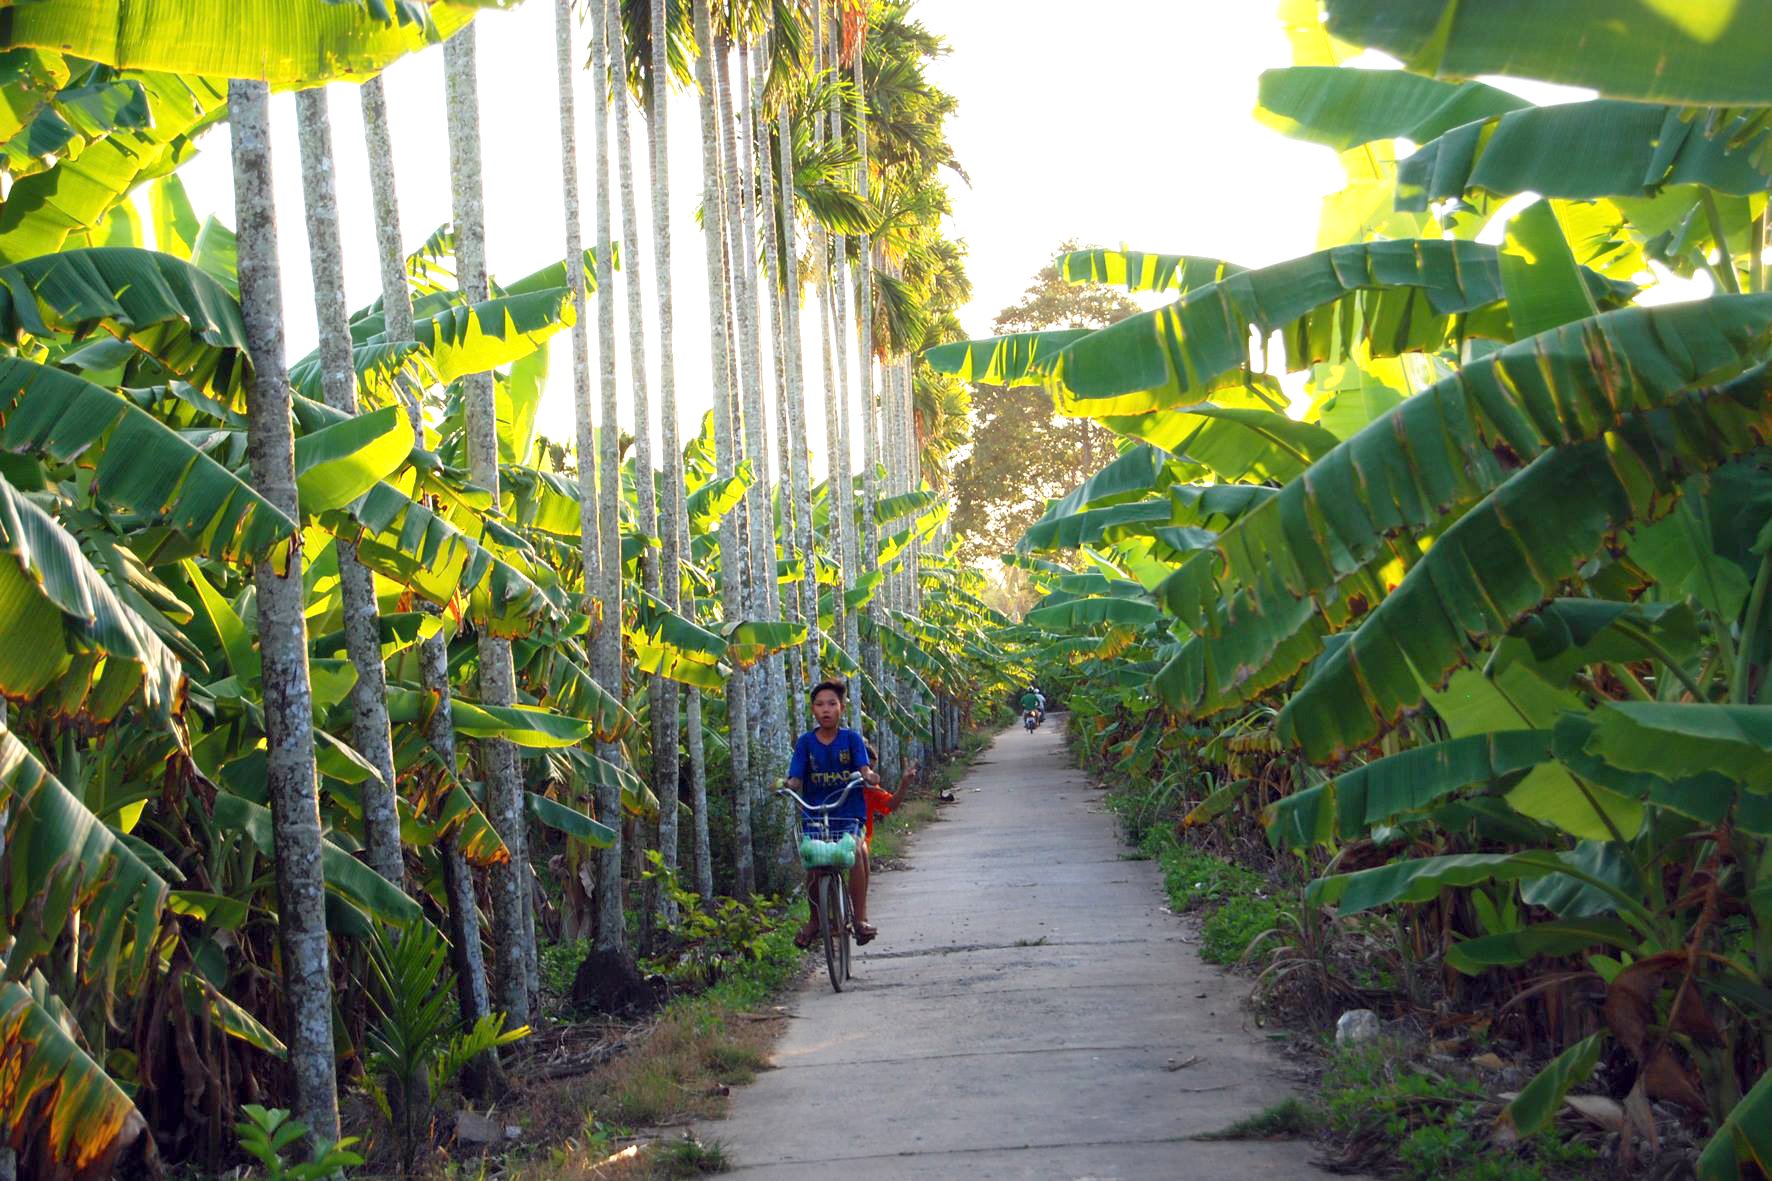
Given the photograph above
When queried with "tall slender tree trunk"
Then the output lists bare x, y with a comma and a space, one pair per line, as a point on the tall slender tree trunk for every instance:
789, 669
872, 661
796, 448
645, 487
513, 924
611, 928
282, 627
698, 798
667, 769
843, 506
338, 381
464, 917
731, 556
748, 417
772, 752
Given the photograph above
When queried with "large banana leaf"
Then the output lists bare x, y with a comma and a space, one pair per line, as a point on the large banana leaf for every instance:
1745, 1136
1694, 52
87, 652
437, 556
751, 640
668, 645
338, 463
346, 876
180, 317
1138, 270
1275, 570
1091, 612
1582, 150
1342, 107
47, 205
1139, 471
1062, 531
1354, 802
1402, 296
456, 339
50, 1087
286, 43
708, 504
1508, 555
1017, 359
141, 465
62, 861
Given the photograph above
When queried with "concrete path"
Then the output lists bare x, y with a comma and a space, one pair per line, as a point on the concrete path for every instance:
1029, 1010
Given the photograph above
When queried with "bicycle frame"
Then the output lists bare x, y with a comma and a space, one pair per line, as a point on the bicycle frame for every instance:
829, 882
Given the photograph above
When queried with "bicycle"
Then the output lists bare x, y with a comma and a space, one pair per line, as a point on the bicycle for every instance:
828, 847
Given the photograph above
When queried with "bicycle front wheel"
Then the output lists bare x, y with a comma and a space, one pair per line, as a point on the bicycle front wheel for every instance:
830, 918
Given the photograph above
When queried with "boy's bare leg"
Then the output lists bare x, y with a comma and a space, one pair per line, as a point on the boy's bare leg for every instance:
858, 892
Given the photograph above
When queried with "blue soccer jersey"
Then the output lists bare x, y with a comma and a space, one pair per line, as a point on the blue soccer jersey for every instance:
825, 769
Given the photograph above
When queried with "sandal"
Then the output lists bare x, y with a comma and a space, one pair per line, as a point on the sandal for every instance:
864, 932
806, 936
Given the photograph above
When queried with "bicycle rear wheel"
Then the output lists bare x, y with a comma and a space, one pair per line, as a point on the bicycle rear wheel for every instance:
848, 921
830, 915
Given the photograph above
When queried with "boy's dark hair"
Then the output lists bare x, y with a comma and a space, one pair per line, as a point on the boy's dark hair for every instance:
837, 687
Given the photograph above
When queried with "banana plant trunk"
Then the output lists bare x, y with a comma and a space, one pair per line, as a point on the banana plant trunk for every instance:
481, 1078
513, 923
731, 557
370, 732
282, 628
667, 772
611, 929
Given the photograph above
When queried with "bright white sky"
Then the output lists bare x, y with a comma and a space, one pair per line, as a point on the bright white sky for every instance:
1131, 127
1119, 122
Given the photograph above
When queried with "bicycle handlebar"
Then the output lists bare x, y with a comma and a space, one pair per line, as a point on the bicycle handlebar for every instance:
828, 805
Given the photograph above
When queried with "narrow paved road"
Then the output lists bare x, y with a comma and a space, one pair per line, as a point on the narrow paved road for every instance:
1029, 1010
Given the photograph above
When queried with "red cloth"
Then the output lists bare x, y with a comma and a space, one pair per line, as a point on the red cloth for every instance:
879, 802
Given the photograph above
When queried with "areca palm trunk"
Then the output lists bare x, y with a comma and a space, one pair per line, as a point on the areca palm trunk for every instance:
796, 447
666, 769
843, 505
282, 628
513, 926
748, 418
370, 732
872, 661
731, 557
458, 880
772, 711
611, 929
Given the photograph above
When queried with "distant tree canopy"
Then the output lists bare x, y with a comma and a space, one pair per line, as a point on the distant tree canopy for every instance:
1023, 453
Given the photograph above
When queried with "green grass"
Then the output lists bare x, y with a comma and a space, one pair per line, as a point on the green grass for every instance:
1289, 1119
1234, 898
689, 1158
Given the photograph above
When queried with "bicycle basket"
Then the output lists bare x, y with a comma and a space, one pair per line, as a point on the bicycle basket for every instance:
829, 842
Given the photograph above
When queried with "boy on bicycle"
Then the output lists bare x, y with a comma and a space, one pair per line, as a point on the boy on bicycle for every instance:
824, 760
